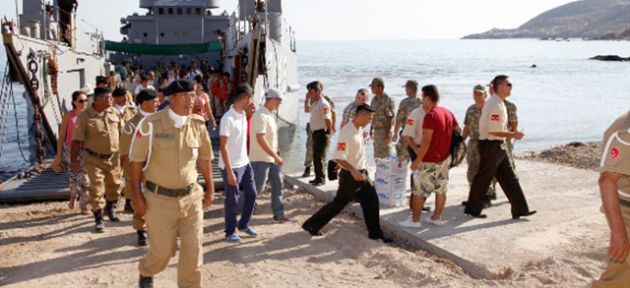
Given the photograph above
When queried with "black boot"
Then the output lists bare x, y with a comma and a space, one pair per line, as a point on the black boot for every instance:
98, 220
145, 282
109, 209
128, 207
142, 238
307, 172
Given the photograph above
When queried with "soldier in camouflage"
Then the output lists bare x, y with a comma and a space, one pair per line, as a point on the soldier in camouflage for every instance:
382, 124
406, 106
512, 126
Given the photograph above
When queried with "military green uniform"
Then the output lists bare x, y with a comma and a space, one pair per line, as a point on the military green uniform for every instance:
406, 106
308, 159
472, 154
126, 137
512, 121
99, 132
173, 197
384, 107
616, 159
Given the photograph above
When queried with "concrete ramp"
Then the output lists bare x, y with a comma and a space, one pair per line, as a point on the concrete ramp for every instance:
568, 219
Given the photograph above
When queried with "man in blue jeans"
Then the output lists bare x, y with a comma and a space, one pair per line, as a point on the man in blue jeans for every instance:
234, 163
263, 152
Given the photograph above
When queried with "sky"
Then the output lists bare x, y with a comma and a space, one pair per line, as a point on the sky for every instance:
322, 20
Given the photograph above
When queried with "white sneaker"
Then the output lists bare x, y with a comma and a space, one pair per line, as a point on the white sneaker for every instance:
408, 223
438, 222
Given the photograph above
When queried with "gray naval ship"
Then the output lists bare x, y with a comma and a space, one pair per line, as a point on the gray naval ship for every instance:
50, 55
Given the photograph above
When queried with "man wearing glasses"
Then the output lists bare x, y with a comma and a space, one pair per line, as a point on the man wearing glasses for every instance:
494, 162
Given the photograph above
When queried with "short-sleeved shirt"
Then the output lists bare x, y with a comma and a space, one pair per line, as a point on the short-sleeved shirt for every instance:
472, 121
99, 131
512, 116
414, 123
616, 153
263, 122
349, 112
441, 121
234, 127
128, 132
384, 107
350, 147
170, 153
201, 101
140, 88
493, 118
320, 112
404, 109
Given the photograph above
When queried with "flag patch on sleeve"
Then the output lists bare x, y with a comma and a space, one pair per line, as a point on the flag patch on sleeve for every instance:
409, 122
614, 153
341, 147
495, 117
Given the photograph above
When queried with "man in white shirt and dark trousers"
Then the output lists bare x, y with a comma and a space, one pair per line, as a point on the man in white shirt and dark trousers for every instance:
321, 127
235, 166
354, 183
264, 152
494, 162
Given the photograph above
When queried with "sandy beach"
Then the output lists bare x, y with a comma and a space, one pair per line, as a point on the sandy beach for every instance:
46, 245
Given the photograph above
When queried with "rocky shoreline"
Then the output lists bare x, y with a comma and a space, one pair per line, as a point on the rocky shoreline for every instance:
575, 154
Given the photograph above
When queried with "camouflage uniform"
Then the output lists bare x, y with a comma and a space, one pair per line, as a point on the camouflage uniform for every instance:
349, 112
472, 155
406, 106
512, 121
384, 106
308, 159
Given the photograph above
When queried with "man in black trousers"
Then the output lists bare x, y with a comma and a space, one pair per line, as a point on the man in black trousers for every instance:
354, 183
494, 162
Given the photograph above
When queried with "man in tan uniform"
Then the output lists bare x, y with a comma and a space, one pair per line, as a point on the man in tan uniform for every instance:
97, 131
614, 186
126, 112
168, 146
148, 102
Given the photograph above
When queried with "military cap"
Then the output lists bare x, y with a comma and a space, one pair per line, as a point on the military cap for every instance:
146, 94
479, 88
378, 81
179, 86
412, 84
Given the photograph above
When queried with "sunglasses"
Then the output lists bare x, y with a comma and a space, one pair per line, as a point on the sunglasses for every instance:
82, 100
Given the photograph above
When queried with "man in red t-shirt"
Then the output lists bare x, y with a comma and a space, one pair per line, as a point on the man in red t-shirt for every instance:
431, 166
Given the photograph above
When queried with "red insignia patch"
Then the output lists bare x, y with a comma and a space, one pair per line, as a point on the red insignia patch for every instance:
341, 147
495, 117
614, 153
410, 122
326, 110
138, 135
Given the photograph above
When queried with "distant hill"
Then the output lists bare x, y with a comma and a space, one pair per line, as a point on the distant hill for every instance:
592, 19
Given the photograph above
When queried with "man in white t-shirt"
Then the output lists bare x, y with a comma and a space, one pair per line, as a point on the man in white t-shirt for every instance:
264, 152
144, 84
235, 167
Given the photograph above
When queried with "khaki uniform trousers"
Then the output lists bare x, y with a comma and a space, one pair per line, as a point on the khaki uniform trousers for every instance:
382, 149
167, 218
138, 219
617, 275
104, 179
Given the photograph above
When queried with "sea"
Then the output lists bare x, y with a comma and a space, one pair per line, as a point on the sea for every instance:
561, 95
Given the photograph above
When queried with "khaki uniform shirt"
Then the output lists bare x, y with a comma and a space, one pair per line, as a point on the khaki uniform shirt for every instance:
472, 121
171, 153
493, 118
127, 113
404, 109
263, 122
128, 132
616, 154
414, 122
98, 131
320, 112
350, 147
384, 106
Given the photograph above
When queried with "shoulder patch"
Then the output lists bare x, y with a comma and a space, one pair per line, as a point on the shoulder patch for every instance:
495, 117
341, 147
409, 121
614, 153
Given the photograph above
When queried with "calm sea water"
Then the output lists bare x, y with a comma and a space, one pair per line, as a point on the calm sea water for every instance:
567, 98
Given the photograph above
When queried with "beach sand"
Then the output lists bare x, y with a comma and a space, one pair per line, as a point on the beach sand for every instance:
45, 245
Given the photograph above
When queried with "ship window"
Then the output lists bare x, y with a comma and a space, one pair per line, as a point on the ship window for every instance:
162, 34
160, 11
198, 10
188, 11
170, 11
180, 11
145, 35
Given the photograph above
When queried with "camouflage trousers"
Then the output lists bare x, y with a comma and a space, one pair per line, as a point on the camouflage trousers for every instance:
473, 158
432, 178
79, 182
382, 149
401, 148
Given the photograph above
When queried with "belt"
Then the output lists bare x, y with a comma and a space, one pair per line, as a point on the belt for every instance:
175, 193
99, 156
